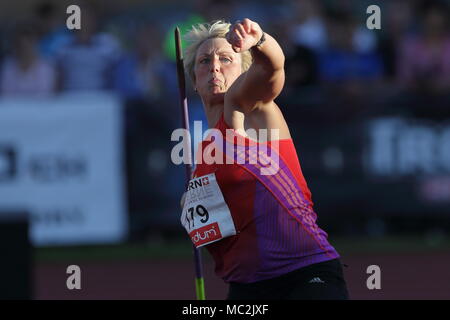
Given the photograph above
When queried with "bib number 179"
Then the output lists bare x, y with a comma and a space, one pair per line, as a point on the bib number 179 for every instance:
200, 211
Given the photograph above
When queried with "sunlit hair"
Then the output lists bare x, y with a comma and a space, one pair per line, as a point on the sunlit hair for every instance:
204, 31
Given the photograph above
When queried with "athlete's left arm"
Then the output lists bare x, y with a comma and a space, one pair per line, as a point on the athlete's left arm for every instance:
264, 80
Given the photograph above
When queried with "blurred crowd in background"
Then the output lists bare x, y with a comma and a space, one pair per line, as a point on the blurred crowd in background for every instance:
333, 63
325, 42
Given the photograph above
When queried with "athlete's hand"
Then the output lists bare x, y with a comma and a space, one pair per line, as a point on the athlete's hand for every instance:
244, 34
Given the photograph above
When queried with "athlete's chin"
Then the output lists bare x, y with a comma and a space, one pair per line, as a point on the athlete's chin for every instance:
218, 95
218, 90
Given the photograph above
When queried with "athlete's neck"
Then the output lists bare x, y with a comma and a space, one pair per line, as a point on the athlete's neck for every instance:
213, 113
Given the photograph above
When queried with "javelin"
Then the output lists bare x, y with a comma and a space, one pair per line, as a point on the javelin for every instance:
199, 281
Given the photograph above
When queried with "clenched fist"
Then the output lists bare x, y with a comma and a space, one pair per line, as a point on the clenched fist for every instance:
244, 34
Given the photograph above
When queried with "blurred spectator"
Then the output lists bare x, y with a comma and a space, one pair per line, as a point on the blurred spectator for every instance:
86, 62
309, 28
396, 25
364, 40
137, 73
342, 60
24, 72
424, 59
52, 29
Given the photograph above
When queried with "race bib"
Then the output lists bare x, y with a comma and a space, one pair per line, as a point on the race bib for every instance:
206, 217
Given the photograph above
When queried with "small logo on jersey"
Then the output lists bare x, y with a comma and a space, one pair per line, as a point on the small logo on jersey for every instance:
196, 183
316, 280
205, 181
205, 234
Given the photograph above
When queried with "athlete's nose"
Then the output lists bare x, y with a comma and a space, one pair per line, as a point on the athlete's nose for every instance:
215, 65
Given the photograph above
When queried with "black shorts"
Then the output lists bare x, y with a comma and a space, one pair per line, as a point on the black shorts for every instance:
320, 281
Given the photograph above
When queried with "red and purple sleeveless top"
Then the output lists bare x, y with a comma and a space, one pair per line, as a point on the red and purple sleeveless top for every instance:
273, 215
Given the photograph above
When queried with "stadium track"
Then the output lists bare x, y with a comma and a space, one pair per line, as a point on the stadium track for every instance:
408, 275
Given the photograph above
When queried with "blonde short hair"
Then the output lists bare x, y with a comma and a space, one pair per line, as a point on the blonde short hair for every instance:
204, 31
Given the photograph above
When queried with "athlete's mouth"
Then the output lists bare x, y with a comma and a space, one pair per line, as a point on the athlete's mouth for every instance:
215, 82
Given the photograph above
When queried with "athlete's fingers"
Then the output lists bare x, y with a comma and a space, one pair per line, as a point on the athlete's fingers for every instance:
240, 28
237, 33
247, 23
236, 40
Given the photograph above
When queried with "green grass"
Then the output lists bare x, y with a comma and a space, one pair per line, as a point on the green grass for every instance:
183, 249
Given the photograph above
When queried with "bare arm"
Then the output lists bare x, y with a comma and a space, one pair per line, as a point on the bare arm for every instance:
264, 80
